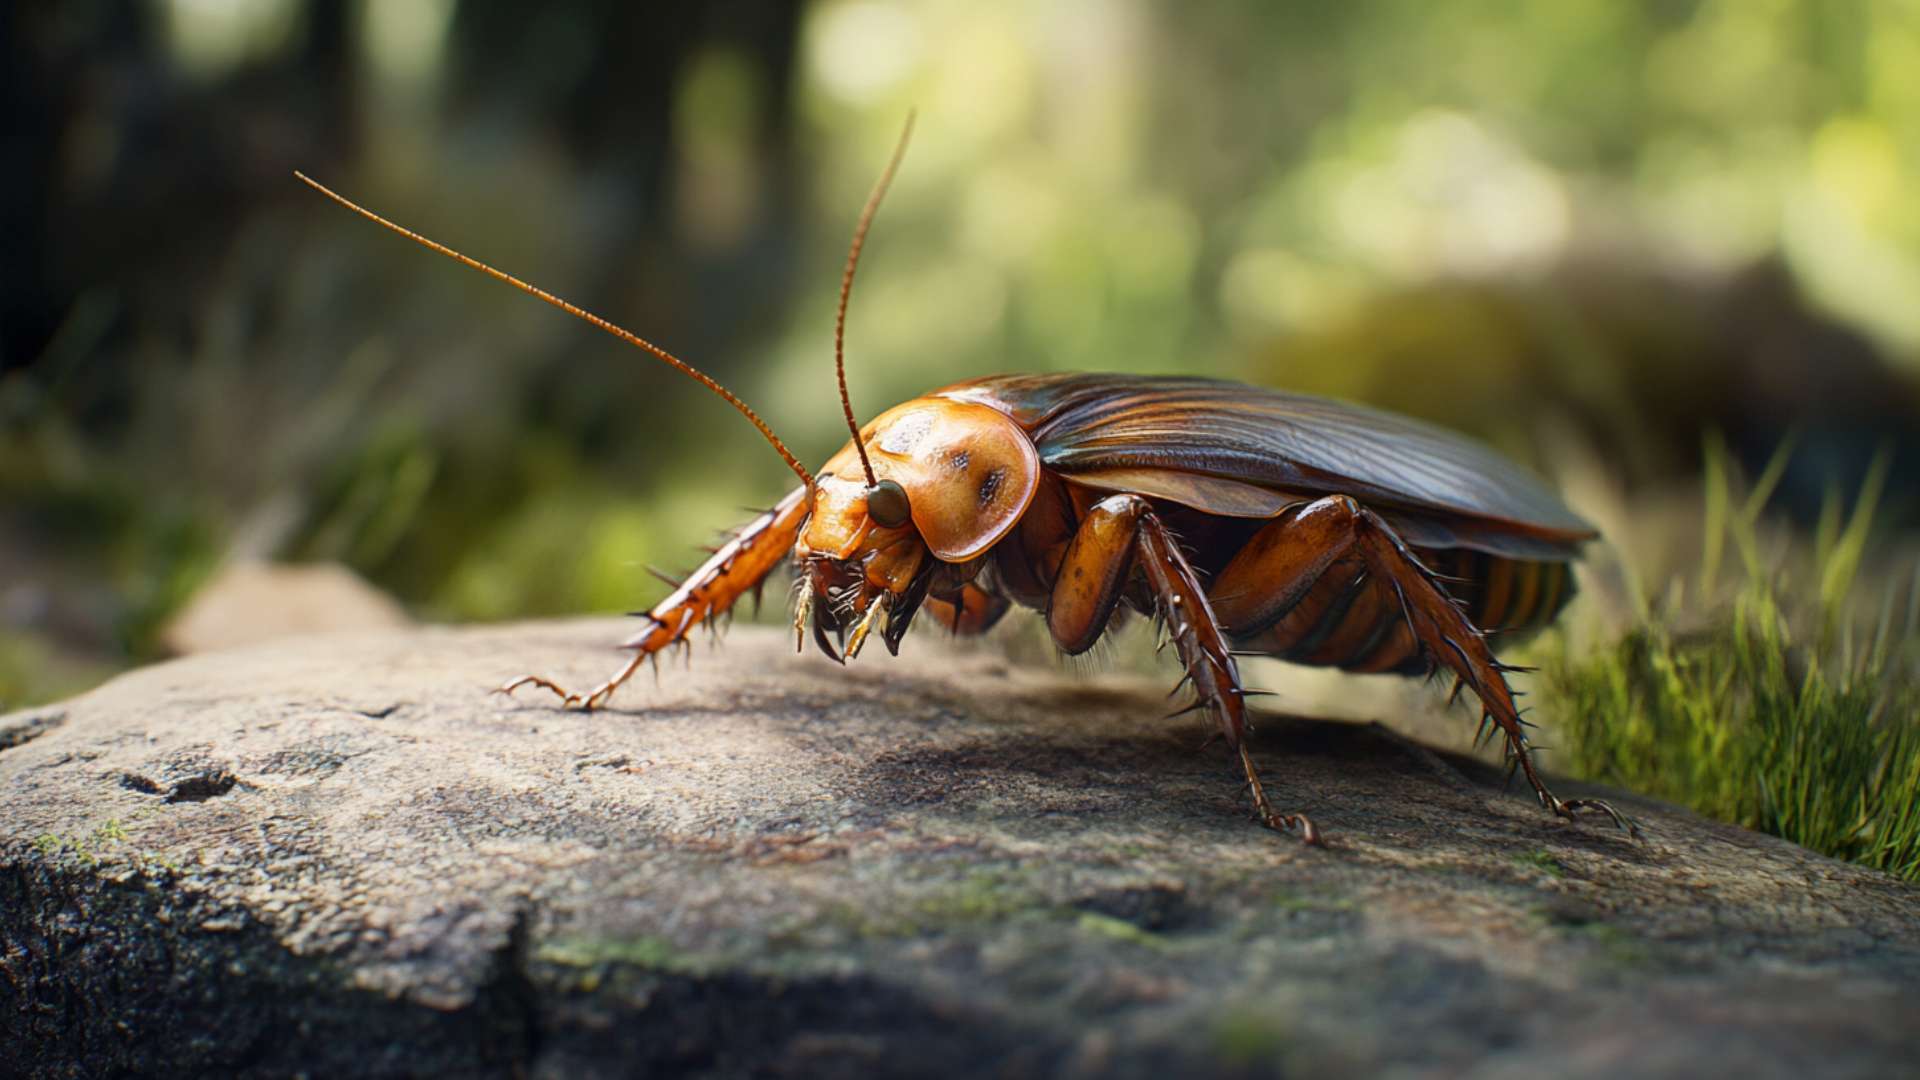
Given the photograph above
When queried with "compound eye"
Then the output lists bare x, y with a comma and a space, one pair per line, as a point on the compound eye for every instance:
887, 504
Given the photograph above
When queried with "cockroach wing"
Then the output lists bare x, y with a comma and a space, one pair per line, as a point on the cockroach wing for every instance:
1244, 451
968, 471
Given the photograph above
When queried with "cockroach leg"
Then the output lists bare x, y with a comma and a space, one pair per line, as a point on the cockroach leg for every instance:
1288, 557
736, 568
1118, 533
1571, 809
592, 699
535, 680
1281, 823
1452, 641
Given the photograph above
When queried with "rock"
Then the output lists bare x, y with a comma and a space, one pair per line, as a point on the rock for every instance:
249, 602
342, 856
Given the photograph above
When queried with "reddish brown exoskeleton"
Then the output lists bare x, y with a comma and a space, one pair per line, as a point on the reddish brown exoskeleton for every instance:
1246, 520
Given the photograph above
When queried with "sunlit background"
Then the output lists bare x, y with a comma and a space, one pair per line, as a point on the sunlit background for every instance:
1590, 232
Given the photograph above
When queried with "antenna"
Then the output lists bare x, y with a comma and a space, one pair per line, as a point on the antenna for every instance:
627, 336
846, 289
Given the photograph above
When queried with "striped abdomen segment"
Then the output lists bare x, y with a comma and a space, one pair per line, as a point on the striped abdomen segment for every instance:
1512, 596
1343, 617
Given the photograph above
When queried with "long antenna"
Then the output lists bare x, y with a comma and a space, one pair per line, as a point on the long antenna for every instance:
846, 289
625, 335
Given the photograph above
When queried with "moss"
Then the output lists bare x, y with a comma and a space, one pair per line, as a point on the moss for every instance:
1617, 947
1294, 901
643, 951
981, 896
52, 847
852, 919
103, 844
1106, 926
1777, 715
1542, 861
1245, 1038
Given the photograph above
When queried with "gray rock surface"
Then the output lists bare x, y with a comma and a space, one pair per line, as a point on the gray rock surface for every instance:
340, 855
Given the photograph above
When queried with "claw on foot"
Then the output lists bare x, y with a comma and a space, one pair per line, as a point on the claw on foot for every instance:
568, 699
1264, 812
588, 702
1571, 811
1520, 757
507, 688
1290, 823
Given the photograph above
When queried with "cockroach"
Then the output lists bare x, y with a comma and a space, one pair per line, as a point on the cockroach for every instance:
1245, 520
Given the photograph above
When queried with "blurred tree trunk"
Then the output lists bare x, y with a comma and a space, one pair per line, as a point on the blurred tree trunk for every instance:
126, 177
609, 94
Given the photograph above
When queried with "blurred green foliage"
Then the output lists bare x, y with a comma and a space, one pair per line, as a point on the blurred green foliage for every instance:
1772, 712
1166, 185
1372, 199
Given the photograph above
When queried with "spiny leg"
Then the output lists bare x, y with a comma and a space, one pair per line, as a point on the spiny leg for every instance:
1204, 651
1294, 822
1456, 643
598, 696
736, 568
1326, 530
1116, 533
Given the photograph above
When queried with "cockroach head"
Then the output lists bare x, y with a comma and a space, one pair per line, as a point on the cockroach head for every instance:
956, 475
950, 479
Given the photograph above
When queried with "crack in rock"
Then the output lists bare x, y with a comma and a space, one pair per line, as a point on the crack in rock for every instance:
24, 729
194, 787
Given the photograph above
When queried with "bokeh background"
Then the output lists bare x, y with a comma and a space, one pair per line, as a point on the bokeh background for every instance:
1593, 233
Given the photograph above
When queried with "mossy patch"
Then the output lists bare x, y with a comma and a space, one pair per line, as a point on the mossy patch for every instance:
980, 896
1244, 1038
1311, 902
644, 951
1541, 860
1616, 947
1785, 712
87, 849
1106, 926
105, 845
